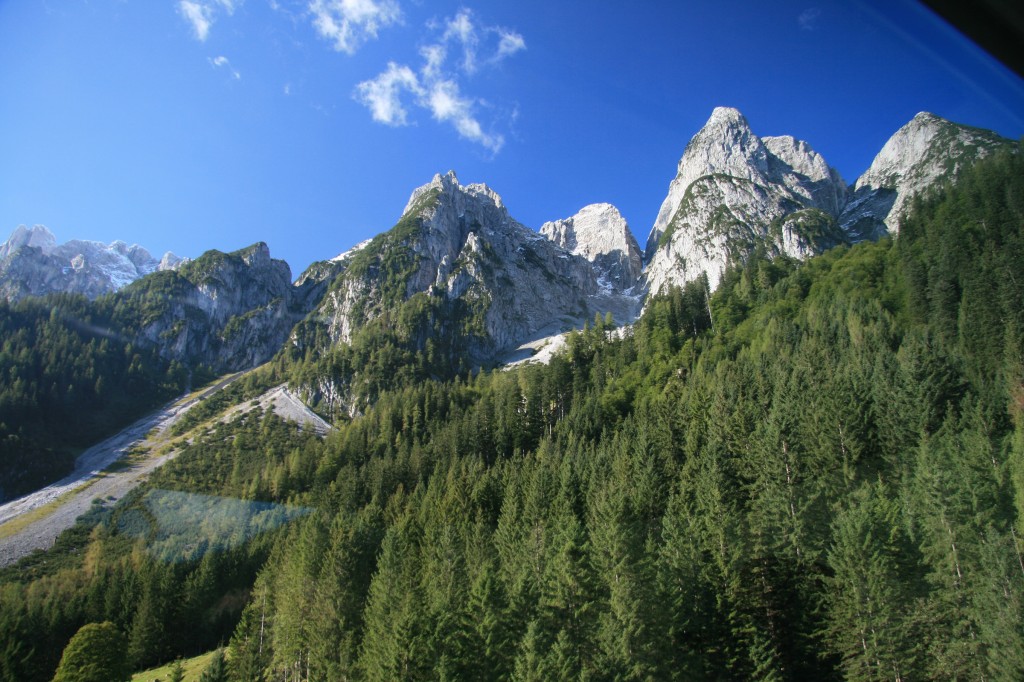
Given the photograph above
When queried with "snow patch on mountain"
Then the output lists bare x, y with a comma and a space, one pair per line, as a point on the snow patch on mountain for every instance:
32, 263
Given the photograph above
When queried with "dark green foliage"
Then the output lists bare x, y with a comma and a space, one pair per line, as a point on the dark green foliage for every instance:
177, 672
69, 378
94, 654
217, 670
173, 590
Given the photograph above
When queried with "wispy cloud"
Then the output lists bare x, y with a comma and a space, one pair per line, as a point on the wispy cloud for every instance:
201, 14
447, 104
198, 15
509, 44
808, 19
382, 95
350, 23
222, 62
436, 87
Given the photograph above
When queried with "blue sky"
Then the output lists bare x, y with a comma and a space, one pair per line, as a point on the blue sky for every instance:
187, 125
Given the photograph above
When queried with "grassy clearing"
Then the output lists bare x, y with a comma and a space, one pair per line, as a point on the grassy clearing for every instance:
137, 454
193, 668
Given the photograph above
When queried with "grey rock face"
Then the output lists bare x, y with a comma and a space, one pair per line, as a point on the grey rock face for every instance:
459, 242
228, 311
926, 151
735, 192
600, 234
33, 264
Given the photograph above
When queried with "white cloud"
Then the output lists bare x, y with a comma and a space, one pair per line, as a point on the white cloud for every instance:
461, 28
222, 62
201, 14
433, 56
436, 87
509, 44
808, 19
350, 23
382, 94
446, 104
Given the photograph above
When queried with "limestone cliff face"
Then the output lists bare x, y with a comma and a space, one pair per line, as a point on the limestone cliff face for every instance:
229, 311
735, 192
600, 234
460, 243
32, 263
926, 151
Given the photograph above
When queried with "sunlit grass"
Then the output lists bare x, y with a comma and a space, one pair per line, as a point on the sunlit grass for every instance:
193, 668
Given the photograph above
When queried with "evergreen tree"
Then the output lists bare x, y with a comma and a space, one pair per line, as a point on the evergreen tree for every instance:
177, 672
872, 596
216, 670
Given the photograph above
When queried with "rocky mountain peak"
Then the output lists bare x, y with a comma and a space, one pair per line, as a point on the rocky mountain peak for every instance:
447, 185
726, 146
805, 172
727, 116
733, 192
905, 149
456, 248
925, 151
36, 236
171, 262
32, 263
600, 234
256, 255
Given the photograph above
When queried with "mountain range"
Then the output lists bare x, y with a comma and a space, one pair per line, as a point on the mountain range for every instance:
500, 283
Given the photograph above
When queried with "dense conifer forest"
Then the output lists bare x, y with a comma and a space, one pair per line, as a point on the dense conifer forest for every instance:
69, 376
817, 473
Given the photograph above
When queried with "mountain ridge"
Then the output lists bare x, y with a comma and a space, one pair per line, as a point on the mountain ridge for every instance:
32, 263
458, 248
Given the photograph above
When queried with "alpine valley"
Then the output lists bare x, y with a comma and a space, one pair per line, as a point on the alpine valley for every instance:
784, 440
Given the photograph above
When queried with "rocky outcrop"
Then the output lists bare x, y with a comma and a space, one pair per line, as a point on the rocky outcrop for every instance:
33, 264
458, 243
926, 151
229, 311
735, 193
600, 234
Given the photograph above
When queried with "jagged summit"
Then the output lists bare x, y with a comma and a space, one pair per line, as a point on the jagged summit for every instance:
37, 236
600, 234
734, 192
726, 146
925, 151
457, 248
448, 184
32, 263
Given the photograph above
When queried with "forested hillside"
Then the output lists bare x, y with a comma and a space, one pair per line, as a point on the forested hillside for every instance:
816, 474
70, 377
74, 371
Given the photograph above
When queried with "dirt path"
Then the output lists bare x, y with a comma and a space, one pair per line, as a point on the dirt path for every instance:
35, 520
